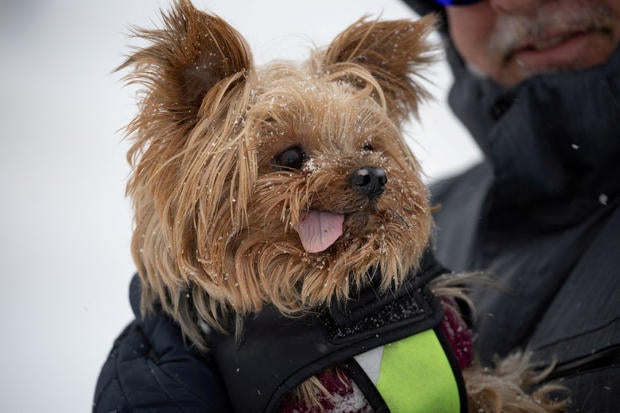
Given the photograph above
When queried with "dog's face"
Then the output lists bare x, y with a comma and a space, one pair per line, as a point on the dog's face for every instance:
286, 184
337, 191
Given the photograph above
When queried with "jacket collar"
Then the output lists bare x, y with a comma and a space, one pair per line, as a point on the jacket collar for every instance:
553, 138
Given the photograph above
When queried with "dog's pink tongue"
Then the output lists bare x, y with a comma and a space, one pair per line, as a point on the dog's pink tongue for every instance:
318, 230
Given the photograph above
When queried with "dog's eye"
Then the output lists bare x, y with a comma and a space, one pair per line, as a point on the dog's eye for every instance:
368, 147
292, 158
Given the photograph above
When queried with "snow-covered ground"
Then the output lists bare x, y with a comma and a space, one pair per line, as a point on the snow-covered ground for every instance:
64, 223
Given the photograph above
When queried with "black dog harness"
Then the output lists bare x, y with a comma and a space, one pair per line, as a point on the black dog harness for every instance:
277, 353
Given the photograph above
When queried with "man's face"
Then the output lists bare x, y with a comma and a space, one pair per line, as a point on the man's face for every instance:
511, 40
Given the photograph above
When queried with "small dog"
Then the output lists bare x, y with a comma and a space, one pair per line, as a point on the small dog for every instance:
285, 186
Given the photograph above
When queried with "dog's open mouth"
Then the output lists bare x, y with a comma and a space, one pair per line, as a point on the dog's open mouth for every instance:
318, 230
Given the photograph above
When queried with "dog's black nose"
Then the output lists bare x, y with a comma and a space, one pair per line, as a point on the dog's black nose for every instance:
369, 181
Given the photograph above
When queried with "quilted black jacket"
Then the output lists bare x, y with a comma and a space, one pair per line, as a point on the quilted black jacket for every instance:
151, 369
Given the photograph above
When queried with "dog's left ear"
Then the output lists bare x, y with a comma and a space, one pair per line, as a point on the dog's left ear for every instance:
393, 52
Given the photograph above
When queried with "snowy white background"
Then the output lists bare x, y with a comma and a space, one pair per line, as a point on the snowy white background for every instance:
64, 222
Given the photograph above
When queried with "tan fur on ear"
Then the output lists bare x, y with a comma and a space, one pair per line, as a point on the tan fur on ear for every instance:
197, 75
186, 59
393, 52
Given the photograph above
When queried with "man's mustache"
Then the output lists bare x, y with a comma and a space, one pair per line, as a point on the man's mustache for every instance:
549, 26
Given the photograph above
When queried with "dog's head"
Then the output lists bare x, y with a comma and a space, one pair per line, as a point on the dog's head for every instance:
286, 184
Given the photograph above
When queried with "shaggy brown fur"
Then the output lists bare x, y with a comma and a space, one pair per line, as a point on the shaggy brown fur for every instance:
216, 212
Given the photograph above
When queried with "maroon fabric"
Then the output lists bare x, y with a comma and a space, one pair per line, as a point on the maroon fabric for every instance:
458, 334
337, 384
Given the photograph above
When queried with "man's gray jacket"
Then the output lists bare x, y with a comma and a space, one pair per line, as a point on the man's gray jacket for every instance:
541, 212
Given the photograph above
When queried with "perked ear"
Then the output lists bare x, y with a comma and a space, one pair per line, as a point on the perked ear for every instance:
393, 52
186, 58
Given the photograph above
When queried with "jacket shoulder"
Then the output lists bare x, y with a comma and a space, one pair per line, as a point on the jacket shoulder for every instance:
457, 202
150, 368
457, 188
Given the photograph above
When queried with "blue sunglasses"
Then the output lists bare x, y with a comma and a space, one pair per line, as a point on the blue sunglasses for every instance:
456, 2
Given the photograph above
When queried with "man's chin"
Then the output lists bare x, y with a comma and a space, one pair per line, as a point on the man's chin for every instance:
575, 52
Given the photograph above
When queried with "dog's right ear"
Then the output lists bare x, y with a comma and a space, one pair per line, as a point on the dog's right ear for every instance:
392, 52
186, 59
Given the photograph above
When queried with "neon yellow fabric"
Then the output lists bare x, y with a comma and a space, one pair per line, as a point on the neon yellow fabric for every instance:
415, 376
